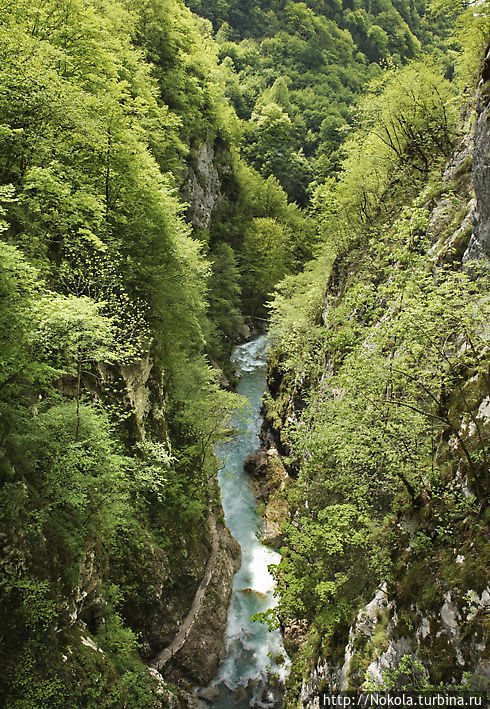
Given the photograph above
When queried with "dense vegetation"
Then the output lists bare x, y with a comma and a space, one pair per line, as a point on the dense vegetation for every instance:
116, 300
103, 304
111, 304
379, 382
295, 69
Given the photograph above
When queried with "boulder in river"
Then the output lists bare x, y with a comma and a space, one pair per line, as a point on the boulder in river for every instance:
209, 694
259, 594
256, 463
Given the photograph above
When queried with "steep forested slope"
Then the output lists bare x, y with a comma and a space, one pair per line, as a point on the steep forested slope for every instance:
379, 403
143, 225
294, 70
104, 464
109, 112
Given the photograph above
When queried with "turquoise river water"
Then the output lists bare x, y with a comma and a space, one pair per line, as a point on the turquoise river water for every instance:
253, 652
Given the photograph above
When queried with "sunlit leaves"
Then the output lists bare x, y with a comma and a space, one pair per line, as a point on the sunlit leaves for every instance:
71, 332
406, 120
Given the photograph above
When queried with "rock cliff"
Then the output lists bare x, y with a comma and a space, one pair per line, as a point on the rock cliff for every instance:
428, 620
479, 245
202, 183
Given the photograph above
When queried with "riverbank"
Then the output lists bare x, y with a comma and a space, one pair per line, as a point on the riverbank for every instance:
256, 665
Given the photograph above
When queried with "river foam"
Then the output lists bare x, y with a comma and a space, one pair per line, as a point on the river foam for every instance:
254, 653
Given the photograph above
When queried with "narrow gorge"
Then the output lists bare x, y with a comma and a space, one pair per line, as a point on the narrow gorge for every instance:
192, 513
255, 667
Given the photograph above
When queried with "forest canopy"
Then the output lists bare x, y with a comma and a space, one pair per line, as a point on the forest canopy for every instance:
166, 171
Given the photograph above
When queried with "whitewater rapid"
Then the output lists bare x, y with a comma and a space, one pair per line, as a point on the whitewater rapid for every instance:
254, 653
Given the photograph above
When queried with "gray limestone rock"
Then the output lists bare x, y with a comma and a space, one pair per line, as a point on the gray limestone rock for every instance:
479, 245
210, 694
202, 187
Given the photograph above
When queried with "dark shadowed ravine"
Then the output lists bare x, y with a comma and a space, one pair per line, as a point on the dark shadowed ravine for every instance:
255, 662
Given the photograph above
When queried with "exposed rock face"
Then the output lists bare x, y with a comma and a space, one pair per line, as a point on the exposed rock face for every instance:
156, 608
202, 186
453, 215
269, 479
182, 700
210, 694
139, 388
256, 464
205, 647
87, 603
479, 246
136, 376
375, 638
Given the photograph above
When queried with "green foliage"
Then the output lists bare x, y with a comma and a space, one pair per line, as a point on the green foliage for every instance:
370, 430
108, 407
409, 675
18, 288
406, 122
224, 302
257, 215
322, 548
71, 332
380, 358
264, 252
471, 26
293, 73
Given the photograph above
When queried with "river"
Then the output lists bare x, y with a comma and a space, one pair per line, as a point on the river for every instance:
254, 653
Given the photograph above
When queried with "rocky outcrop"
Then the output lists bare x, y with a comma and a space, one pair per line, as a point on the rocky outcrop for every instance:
205, 645
173, 698
86, 605
136, 379
162, 589
452, 215
256, 464
185, 627
479, 246
269, 478
376, 646
202, 183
